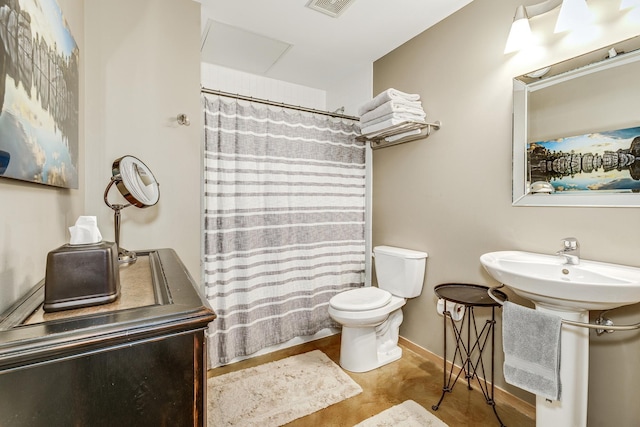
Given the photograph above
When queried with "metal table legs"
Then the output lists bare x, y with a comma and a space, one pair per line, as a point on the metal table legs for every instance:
469, 355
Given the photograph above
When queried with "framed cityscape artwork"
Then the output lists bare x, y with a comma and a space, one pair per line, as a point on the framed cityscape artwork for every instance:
607, 161
39, 99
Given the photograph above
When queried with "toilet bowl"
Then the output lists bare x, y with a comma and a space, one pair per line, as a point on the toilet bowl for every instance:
371, 316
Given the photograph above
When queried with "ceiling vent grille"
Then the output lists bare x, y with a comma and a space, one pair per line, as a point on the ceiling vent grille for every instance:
333, 8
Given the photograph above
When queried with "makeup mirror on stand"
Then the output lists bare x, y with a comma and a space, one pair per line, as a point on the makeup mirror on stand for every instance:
138, 186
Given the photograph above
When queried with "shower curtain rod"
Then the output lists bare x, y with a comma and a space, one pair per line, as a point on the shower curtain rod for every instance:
276, 104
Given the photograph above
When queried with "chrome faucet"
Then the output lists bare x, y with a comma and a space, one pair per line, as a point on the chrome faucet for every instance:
570, 251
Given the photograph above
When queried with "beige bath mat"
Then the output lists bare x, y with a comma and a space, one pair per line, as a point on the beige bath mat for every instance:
279, 392
406, 414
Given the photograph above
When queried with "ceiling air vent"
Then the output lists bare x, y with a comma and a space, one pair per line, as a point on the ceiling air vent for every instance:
333, 8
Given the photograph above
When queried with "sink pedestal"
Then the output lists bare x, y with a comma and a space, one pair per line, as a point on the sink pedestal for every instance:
569, 291
571, 410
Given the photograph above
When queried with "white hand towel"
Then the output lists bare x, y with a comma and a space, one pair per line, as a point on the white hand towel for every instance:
393, 107
408, 117
387, 95
531, 344
378, 128
403, 135
456, 310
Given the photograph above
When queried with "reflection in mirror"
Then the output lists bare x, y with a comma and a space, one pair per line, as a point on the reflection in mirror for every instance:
138, 186
136, 182
576, 131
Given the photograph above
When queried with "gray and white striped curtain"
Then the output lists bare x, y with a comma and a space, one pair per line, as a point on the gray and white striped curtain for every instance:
284, 222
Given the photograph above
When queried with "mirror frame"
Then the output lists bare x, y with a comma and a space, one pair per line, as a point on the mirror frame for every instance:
126, 183
522, 86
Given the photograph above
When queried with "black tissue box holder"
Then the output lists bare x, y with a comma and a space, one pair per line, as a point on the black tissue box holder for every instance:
81, 276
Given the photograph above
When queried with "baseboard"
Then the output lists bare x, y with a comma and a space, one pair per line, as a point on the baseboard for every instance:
501, 396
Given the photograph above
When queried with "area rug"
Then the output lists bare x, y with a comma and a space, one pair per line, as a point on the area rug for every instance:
406, 414
279, 392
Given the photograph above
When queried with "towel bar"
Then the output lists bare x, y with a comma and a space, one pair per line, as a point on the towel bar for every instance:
601, 322
378, 141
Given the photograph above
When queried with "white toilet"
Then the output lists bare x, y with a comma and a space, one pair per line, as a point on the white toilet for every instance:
370, 316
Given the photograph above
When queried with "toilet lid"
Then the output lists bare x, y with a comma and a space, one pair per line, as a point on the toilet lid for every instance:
361, 299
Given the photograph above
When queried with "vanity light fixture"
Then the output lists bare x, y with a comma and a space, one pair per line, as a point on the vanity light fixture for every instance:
573, 14
520, 35
538, 73
541, 187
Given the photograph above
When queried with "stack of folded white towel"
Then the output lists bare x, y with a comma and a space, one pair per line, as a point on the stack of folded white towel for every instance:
391, 109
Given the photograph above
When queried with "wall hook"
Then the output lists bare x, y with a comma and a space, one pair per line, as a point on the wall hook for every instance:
183, 120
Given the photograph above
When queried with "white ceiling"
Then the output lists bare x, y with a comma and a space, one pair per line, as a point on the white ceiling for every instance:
323, 49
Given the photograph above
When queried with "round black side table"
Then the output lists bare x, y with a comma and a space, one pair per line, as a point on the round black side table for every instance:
469, 353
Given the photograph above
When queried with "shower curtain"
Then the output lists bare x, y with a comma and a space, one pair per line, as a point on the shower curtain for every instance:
284, 222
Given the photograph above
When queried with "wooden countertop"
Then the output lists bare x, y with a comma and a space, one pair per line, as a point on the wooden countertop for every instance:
136, 290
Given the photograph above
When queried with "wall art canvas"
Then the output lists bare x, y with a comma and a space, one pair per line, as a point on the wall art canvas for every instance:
600, 162
39, 99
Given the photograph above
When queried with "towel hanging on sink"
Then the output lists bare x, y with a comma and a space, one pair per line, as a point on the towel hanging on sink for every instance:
531, 343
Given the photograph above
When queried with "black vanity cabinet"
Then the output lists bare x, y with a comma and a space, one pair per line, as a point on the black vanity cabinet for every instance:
139, 361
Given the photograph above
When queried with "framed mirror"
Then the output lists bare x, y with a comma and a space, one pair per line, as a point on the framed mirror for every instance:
576, 131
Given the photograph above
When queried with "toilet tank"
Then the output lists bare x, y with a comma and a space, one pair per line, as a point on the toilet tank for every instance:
400, 271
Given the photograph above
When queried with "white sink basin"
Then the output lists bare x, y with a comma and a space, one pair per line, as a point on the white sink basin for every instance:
547, 280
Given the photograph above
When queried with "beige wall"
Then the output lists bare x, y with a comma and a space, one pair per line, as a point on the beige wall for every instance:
450, 195
34, 218
143, 69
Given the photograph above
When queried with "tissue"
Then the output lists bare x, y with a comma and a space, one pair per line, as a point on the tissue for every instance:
85, 231
456, 310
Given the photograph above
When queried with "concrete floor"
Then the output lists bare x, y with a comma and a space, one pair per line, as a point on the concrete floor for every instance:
412, 377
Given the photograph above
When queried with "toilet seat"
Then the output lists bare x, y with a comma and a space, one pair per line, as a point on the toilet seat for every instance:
361, 299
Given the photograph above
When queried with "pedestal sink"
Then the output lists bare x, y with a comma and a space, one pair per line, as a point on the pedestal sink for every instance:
568, 291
